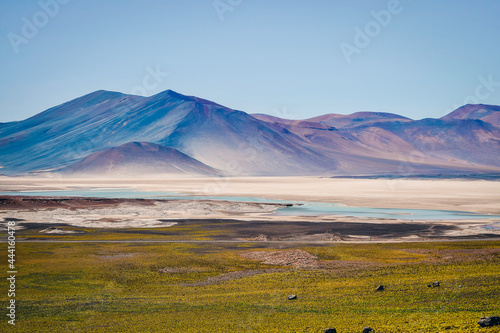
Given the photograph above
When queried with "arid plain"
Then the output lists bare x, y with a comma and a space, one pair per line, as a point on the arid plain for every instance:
474, 196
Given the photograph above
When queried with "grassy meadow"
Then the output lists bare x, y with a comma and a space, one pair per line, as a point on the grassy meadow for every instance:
174, 287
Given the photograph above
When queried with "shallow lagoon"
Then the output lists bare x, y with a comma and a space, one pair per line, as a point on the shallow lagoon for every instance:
300, 208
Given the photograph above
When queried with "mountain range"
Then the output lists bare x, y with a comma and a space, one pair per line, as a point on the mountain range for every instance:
109, 133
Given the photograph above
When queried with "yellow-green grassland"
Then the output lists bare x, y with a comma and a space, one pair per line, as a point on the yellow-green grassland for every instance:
134, 286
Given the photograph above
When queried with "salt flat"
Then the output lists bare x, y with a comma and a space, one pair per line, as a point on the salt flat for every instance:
476, 196
479, 196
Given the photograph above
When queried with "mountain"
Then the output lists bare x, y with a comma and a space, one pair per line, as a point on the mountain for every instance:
456, 143
487, 113
357, 119
173, 133
338, 120
62, 134
225, 139
377, 143
138, 158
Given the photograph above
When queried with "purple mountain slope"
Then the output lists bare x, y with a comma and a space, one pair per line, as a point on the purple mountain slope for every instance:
486, 113
173, 128
60, 135
428, 146
225, 139
338, 120
472, 141
138, 158
357, 119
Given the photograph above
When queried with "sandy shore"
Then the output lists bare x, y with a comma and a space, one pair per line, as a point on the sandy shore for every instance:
237, 221
126, 213
229, 220
478, 196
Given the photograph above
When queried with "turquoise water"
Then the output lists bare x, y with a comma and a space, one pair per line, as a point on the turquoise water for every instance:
299, 209
318, 208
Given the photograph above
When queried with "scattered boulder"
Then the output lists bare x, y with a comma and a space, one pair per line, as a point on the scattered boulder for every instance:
330, 330
49, 229
489, 321
292, 297
334, 238
261, 238
53, 230
380, 288
433, 284
368, 330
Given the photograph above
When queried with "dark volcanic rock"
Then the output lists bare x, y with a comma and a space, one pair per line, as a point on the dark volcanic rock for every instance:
368, 330
489, 321
330, 330
380, 288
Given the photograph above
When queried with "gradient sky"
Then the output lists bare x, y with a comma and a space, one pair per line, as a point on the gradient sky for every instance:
279, 57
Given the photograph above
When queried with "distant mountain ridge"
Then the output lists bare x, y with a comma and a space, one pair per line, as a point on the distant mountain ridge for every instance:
487, 113
138, 158
172, 133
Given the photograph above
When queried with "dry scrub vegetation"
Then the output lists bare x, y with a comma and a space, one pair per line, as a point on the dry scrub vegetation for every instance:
243, 287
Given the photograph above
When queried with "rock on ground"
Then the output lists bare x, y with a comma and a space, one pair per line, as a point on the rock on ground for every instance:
489, 321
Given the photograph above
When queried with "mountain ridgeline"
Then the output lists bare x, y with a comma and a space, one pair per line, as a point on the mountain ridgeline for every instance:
112, 134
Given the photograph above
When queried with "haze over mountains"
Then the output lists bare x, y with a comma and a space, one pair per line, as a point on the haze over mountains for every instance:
135, 158
112, 134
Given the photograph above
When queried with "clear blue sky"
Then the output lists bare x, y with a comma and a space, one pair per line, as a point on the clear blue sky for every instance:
280, 57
